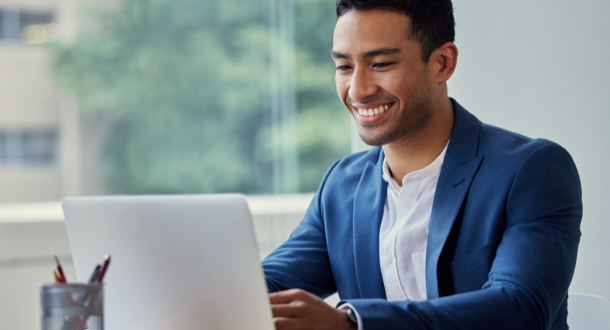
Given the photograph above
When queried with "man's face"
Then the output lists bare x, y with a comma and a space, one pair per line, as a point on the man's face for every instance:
380, 75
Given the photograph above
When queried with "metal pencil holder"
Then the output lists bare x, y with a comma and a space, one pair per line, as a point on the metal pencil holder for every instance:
72, 306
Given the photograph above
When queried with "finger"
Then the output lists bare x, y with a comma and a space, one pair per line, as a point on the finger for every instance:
284, 297
287, 323
294, 309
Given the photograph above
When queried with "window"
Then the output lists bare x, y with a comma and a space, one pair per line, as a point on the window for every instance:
211, 96
28, 147
29, 28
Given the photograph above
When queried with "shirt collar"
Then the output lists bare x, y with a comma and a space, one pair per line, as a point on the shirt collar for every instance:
431, 169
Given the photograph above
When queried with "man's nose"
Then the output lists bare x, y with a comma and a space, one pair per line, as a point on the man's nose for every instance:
362, 85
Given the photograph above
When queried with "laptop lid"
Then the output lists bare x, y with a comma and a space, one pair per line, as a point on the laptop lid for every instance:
178, 261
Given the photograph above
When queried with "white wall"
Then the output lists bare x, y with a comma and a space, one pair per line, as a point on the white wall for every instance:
539, 67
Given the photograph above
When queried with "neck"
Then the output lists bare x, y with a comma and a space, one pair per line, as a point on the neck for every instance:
413, 152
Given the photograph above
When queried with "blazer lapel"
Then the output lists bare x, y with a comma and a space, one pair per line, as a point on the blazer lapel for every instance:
369, 201
461, 164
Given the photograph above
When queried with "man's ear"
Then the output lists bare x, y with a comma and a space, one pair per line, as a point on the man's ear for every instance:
443, 61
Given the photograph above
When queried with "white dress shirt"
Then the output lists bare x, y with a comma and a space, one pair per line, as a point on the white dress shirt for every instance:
404, 231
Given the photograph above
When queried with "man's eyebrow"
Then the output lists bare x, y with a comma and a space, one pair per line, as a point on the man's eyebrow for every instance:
335, 54
381, 51
372, 53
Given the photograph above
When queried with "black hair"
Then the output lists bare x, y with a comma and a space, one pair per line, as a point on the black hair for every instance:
432, 22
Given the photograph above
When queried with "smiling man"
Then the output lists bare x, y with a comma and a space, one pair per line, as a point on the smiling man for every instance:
448, 223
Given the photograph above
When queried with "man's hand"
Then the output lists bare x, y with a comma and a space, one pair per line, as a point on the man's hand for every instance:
297, 309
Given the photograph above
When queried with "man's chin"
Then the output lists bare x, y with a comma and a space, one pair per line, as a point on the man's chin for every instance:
373, 140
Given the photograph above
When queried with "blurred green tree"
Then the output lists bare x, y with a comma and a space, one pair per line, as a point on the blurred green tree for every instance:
187, 84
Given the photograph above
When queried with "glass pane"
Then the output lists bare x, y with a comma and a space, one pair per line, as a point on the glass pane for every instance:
2, 147
14, 146
210, 96
10, 25
39, 147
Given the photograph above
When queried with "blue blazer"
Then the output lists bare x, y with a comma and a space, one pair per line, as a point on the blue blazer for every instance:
502, 242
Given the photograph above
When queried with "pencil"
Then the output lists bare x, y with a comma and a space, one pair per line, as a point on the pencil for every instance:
62, 276
100, 277
96, 272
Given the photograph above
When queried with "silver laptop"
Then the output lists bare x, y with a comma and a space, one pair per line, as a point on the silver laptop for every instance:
177, 262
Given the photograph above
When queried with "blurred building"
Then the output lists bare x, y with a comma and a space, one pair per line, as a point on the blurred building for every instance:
41, 150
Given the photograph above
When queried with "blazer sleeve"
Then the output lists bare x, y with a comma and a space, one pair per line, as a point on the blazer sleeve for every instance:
302, 261
533, 265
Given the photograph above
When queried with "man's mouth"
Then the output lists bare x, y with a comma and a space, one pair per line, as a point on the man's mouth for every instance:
369, 112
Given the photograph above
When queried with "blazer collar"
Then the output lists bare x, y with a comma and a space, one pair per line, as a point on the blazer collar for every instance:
464, 144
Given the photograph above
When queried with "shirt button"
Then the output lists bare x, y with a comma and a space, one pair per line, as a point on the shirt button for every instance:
407, 204
389, 260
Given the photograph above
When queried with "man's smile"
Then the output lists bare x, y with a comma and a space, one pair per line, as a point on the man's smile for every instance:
368, 111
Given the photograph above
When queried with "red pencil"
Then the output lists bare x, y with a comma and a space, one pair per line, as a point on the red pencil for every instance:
56, 277
62, 276
100, 277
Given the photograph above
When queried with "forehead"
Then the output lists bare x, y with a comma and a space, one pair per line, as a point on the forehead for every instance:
361, 31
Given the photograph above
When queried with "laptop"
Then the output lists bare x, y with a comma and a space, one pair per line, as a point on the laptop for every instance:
177, 261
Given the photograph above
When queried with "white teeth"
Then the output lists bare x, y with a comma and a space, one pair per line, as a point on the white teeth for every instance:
374, 111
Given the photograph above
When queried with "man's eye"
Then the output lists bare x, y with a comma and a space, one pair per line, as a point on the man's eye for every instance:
342, 67
382, 65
